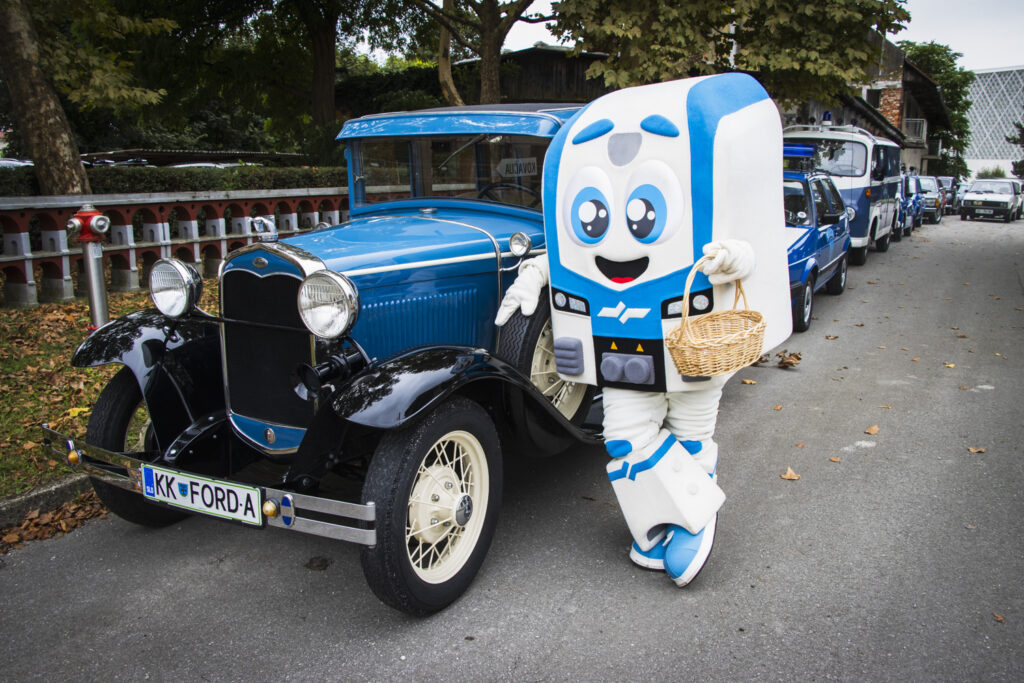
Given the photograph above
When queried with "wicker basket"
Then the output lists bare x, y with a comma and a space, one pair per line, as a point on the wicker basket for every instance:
716, 343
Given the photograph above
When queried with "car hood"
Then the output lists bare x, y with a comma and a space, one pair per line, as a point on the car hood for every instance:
989, 196
399, 247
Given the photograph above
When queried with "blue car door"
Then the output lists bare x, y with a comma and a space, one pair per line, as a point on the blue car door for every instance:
826, 229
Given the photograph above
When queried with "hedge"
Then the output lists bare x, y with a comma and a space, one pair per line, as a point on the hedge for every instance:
21, 182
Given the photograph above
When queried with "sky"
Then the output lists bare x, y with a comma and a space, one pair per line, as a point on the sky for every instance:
989, 33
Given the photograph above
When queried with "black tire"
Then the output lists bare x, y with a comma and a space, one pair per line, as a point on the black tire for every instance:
803, 308
963, 215
526, 343
882, 243
420, 478
896, 232
938, 218
858, 256
120, 422
837, 283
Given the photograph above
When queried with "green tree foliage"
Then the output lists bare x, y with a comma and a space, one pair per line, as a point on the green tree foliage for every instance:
994, 172
939, 62
1017, 139
799, 50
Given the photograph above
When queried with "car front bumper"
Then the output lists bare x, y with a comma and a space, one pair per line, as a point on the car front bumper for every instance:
278, 508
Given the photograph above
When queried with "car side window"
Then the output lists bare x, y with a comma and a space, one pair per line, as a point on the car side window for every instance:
820, 201
834, 198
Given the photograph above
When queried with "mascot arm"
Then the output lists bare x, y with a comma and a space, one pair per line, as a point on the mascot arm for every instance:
524, 294
730, 260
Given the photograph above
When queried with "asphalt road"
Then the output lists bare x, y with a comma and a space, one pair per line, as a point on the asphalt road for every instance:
889, 559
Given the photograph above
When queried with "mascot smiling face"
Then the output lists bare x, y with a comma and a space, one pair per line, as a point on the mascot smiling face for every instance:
624, 195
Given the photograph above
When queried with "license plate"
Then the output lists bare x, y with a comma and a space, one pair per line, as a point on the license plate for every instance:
984, 210
203, 495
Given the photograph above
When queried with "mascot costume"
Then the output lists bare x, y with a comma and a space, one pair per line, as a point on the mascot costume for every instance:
639, 185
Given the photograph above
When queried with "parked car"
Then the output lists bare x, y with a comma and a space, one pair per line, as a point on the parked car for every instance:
911, 202
818, 224
866, 170
353, 383
933, 198
1019, 193
10, 162
995, 198
948, 185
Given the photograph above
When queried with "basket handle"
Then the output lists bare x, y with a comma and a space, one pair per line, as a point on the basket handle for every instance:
685, 328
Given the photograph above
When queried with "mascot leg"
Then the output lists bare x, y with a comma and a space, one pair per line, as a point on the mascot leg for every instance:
658, 483
691, 418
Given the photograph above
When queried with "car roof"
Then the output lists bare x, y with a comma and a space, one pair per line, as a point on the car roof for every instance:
538, 119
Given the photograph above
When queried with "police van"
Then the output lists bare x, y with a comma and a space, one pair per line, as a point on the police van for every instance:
866, 170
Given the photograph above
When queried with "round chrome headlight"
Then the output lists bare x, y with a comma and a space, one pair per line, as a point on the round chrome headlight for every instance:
328, 304
519, 244
851, 212
175, 287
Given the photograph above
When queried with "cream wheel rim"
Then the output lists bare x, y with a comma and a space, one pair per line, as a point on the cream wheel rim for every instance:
447, 506
565, 396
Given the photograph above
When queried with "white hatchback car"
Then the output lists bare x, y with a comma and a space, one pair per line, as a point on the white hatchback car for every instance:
992, 198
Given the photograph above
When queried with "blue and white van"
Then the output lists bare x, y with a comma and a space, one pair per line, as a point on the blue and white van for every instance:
866, 170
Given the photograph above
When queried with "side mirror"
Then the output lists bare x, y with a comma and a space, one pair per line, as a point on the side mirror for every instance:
878, 173
830, 218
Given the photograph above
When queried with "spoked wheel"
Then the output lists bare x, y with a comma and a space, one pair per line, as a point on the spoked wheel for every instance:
437, 490
804, 306
120, 423
527, 343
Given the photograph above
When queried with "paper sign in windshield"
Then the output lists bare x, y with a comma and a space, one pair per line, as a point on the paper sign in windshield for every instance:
511, 168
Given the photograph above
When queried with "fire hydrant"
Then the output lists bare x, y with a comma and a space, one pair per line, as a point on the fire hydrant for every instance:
88, 226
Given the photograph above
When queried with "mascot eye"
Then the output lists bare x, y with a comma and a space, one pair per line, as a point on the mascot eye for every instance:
589, 215
646, 213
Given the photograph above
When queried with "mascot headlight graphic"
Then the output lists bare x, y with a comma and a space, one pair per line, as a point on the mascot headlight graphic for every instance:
626, 237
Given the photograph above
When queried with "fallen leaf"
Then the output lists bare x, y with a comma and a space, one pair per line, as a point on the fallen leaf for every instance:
75, 412
904, 348
872, 430
950, 365
915, 359
975, 450
999, 617
831, 336
881, 347
11, 538
872, 282
886, 407
955, 327
799, 445
790, 475
788, 360
859, 325
970, 526
835, 458
961, 336
779, 407
748, 381
964, 388
966, 284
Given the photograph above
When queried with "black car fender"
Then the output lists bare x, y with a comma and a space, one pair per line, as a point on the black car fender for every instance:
175, 361
400, 390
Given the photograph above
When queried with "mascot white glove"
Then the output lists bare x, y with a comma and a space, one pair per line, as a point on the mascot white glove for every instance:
524, 294
730, 260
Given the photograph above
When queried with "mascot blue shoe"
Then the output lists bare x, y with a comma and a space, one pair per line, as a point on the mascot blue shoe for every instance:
686, 553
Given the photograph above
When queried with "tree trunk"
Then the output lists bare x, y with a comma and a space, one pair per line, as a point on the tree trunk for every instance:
37, 109
444, 62
323, 38
490, 61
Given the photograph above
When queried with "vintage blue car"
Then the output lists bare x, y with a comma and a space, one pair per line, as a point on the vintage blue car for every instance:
818, 224
353, 383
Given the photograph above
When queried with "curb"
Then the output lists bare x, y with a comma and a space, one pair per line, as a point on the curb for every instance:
47, 497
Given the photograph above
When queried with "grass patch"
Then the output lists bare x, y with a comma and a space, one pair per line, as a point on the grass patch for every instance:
38, 383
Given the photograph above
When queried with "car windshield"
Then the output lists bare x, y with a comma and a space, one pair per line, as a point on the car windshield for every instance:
946, 181
839, 157
494, 168
991, 187
795, 201
928, 185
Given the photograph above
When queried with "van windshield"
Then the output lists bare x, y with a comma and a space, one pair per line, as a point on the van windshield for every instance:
840, 157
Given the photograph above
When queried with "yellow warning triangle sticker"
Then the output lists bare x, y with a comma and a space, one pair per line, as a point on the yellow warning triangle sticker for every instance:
614, 347
639, 349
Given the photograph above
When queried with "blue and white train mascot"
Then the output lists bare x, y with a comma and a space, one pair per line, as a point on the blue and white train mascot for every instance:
637, 186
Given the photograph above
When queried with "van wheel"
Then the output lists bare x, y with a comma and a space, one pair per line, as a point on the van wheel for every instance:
882, 243
436, 488
858, 255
